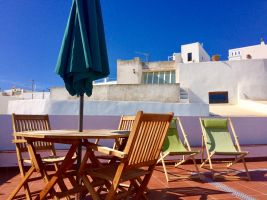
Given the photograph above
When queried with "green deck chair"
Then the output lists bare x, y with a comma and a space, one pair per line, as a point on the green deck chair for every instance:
217, 140
173, 146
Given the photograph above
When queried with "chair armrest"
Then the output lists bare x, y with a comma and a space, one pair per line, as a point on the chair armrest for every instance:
106, 150
16, 141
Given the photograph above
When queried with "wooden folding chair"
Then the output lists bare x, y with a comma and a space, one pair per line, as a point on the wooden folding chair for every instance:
137, 160
216, 138
173, 146
34, 123
126, 123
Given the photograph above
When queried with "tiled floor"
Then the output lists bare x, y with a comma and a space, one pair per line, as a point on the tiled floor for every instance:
227, 188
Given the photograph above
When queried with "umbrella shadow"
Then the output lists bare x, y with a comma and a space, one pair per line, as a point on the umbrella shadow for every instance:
179, 193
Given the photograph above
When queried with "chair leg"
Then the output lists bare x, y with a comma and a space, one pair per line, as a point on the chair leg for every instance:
202, 149
112, 191
46, 180
245, 165
195, 163
22, 182
63, 188
26, 187
143, 185
203, 163
210, 164
90, 188
235, 161
164, 167
181, 162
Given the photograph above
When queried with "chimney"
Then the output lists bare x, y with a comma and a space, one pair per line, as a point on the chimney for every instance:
262, 41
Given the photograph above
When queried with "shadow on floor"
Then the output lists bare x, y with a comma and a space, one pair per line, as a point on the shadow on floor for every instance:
223, 176
6, 174
178, 193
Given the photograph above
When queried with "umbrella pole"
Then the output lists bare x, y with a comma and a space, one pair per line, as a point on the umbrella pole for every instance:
81, 113
79, 151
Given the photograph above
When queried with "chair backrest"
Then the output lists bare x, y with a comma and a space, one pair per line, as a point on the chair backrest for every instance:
146, 138
31, 123
218, 136
172, 142
126, 122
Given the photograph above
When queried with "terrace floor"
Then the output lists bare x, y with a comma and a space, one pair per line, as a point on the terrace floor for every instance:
230, 187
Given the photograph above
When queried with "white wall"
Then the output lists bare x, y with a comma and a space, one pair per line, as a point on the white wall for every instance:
244, 79
256, 52
4, 103
71, 107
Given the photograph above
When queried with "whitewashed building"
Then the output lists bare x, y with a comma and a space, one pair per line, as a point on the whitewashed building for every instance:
250, 52
201, 80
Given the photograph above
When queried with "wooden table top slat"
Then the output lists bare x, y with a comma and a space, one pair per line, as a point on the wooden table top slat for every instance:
74, 134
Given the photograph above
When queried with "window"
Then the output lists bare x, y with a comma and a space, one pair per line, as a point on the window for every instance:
218, 97
149, 78
189, 56
172, 77
161, 77
167, 77
156, 78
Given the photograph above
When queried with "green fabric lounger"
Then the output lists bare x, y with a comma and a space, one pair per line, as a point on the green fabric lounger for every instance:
173, 146
217, 139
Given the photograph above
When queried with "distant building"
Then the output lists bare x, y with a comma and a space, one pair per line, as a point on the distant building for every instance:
201, 81
191, 53
194, 53
251, 52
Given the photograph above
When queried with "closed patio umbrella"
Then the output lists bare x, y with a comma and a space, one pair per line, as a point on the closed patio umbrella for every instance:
83, 55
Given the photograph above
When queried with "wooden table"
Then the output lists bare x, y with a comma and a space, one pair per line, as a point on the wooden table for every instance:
72, 137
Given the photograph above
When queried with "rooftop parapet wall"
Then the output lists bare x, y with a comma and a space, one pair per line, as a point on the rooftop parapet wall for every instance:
251, 130
126, 92
106, 108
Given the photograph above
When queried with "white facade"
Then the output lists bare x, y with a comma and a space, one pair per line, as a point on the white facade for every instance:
194, 53
250, 52
246, 79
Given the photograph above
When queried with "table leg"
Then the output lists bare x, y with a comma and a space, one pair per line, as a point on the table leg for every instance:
89, 154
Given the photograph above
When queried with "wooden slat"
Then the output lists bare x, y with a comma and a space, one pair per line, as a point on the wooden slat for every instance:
143, 148
32, 123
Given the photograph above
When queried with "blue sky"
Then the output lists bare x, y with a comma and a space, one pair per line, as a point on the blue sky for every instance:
31, 32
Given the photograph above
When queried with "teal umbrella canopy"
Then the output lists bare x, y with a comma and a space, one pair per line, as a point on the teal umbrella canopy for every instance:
83, 54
